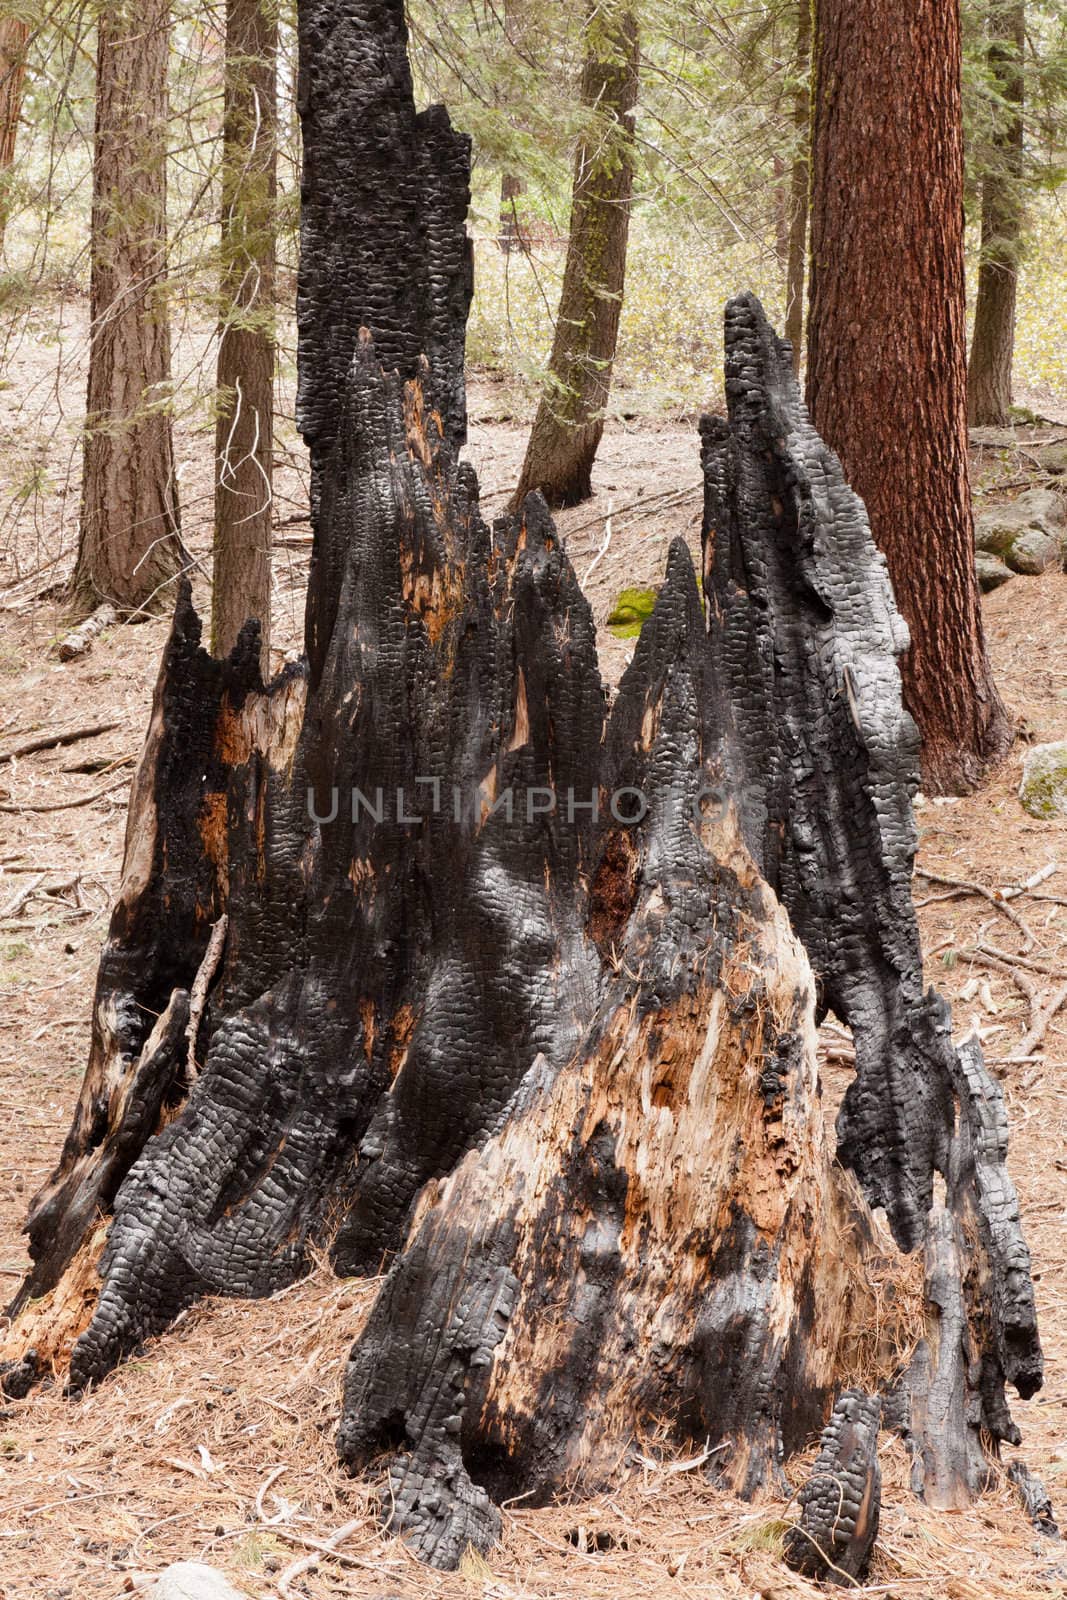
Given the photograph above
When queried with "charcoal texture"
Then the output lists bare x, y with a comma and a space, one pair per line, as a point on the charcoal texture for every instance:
840, 1502
805, 637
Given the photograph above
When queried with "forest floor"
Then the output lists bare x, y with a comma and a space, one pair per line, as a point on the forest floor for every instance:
216, 1442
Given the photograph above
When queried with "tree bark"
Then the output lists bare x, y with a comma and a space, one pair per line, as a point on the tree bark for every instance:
510, 236
14, 35
800, 182
423, 954
993, 340
512, 184
129, 550
569, 423
244, 436
886, 346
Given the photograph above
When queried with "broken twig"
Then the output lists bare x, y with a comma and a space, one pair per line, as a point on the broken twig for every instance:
968, 886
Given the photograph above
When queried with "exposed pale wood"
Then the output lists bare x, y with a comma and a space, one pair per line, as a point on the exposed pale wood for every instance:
80, 639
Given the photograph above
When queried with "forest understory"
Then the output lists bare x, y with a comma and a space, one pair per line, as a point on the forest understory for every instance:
217, 1441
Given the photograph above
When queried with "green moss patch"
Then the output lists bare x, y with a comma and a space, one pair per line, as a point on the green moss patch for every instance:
631, 611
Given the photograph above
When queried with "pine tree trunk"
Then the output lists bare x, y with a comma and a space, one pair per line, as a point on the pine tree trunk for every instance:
129, 550
244, 436
800, 182
886, 346
993, 340
14, 35
426, 955
570, 417
512, 184
510, 237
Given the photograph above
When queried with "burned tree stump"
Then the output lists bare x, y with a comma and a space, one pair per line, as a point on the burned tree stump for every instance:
841, 1500
425, 952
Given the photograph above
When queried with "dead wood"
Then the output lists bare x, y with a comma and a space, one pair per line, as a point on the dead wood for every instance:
53, 740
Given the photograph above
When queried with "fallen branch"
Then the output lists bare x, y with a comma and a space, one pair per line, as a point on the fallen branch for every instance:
968, 886
646, 502
1040, 1024
1041, 1013
52, 741
1022, 961
25, 894
321, 1547
64, 805
80, 640
601, 553
1042, 875
1003, 963
28, 891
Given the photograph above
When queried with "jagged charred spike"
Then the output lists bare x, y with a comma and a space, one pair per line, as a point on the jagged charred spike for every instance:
383, 247
805, 633
1035, 1499
983, 1197
840, 1503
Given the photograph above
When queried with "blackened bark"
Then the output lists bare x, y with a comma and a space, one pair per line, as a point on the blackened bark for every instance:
384, 196
569, 423
129, 551
516, 996
886, 371
244, 431
993, 339
841, 1500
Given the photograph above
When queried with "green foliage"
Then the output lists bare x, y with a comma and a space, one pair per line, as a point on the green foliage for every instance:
670, 339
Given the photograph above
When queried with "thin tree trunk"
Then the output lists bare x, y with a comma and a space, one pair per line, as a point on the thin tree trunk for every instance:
570, 418
886, 345
13, 37
244, 438
782, 198
510, 235
993, 341
129, 549
512, 184
799, 184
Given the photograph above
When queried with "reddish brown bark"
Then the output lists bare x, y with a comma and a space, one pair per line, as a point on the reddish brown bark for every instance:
244, 436
129, 550
887, 341
13, 36
797, 253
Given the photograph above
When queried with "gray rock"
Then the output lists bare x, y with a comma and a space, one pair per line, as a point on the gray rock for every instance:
1043, 790
1034, 552
192, 1580
991, 571
1053, 457
997, 529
